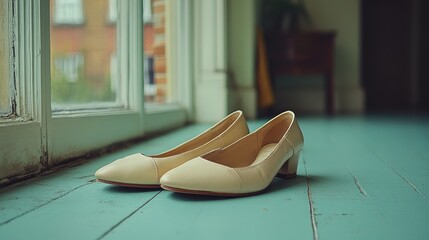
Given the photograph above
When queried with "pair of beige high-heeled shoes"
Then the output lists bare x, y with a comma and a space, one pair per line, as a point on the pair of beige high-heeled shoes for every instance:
224, 160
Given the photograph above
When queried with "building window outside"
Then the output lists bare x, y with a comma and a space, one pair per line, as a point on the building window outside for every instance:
68, 12
69, 67
147, 11
149, 79
112, 15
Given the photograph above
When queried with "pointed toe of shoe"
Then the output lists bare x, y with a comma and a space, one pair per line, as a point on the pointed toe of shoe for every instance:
104, 173
169, 180
135, 169
200, 175
174, 179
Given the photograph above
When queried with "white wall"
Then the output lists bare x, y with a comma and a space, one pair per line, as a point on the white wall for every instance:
241, 46
209, 61
224, 55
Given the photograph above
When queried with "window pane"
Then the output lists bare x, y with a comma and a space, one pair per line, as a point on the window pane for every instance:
158, 86
84, 71
5, 106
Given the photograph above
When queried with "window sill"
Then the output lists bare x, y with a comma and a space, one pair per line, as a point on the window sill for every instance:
93, 112
153, 108
167, 116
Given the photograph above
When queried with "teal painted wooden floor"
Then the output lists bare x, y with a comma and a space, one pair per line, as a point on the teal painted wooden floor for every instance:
358, 178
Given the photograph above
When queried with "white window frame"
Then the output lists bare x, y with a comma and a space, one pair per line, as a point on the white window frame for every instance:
112, 14
8, 68
180, 58
23, 138
40, 138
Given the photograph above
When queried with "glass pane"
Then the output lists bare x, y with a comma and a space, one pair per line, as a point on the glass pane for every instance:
84, 71
5, 106
158, 87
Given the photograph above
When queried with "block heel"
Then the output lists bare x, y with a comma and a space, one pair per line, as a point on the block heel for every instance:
289, 168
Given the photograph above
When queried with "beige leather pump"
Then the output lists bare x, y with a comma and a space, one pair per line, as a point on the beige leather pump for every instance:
245, 167
138, 170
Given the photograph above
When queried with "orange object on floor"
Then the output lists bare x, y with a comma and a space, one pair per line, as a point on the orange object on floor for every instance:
265, 91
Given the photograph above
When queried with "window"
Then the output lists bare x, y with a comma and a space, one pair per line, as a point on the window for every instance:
68, 12
147, 11
149, 81
76, 88
113, 11
155, 66
82, 73
155, 50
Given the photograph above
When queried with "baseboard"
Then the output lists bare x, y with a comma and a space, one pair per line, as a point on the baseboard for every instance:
350, 100
211, 97
245, 99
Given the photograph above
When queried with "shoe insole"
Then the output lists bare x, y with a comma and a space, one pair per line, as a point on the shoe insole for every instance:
264, 153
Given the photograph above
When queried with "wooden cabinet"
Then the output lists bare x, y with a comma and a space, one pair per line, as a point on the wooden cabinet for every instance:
304, 53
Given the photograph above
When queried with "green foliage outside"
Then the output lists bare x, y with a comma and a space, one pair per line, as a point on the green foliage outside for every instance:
80, 91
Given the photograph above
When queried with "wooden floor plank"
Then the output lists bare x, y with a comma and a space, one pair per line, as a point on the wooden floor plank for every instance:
360, 197
282, 212
85, 213
403, 147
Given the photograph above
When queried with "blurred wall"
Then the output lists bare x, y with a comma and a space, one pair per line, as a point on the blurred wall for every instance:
241, 30
395, 55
